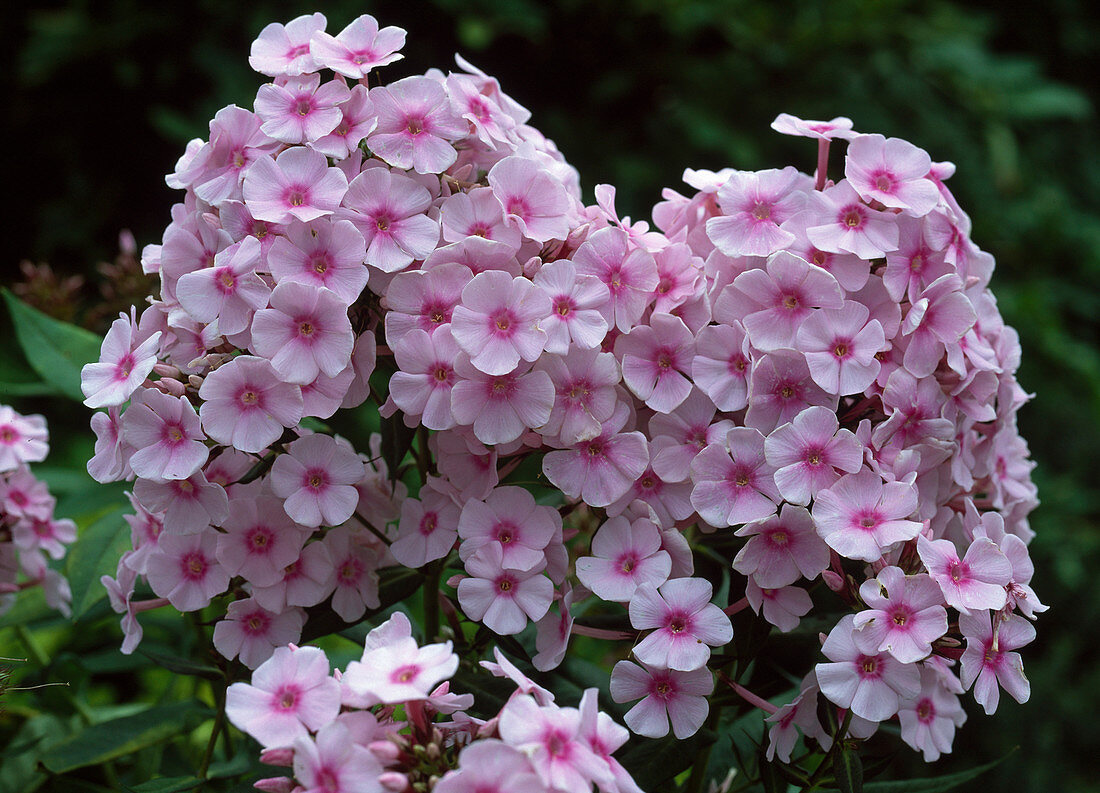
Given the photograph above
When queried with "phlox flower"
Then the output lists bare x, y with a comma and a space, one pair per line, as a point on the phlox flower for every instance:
904, 615
321, 254
22, 494
422, 386
552, 633
669, 501
284, 49
976, 581
165, 432
40, 530
600, 470
184, 568
679, 272
427, 530
120, 594
686, 623
893, 172
389, 209
246, 405
230, 291
260, 540
781, 549
839, 127
490, 766
840, 345
334, 763
125, 360
916, 263
305, 582
501, 598
928, 721
753, 204
808, 451
624, 555
399, 671
488, 120
667, 695
298, 184
300, 109
782, 606
236, 140
850, 226
415, 125
497, 322
584, 393
575, 301
477, 213
872, 685
550, 737
291, 693
110, 463
533, 200
317, 478
772, 304
510, 519
356, 577
940, 317
988, 662
655, 359
252, 632
722, 364
305, 332
677, 437
357, 120
189, 505
860, 516
850, 271
423, 299
23, 439
358, 48
733, 481
501, 407
629, 273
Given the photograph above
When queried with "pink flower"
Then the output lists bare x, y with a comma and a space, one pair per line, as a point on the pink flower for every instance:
977, 581
630, 274
356, 574
358, 48
503, 599
533, 200
721, 366
871, 685
23, 439
357, 120
781, 549
40, 530
290, 693
501, 407
185, 569
687, 624
625, 555
298, 184
893, 172
124, 363
415, 125
667, 695
655, 359
423, 299
781, 388
399, 671
477, 213
189, 505
229, 292
600, 470
490, 766
260, 540
389, 209
253, 632
246, 405
735, 484
284, 49
427, 530
904, 615
305, 582
585, 395
321, 254
928, 721
860, 517
677, 437
988, 662
753, 204
165, 432
317, 478
807, 452
304, 333
110, 463
940, 317
851, 226
422, 386
497, 322
782, 607
840, 345
839, 127
300, 109
335, 763
575, 300
510, 519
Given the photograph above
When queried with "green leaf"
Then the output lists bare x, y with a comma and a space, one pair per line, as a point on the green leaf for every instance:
395, 584
55, 350
657, 762
95, 554
848, 769
936, 784
184, 666
396, 441
99, 743
167, 784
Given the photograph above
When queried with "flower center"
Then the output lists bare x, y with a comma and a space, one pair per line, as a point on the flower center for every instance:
296, 198
761, 211
415, 126
853, 218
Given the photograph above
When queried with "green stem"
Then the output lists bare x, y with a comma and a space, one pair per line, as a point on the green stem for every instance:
433, 574
34, 650
827, 760
219, 725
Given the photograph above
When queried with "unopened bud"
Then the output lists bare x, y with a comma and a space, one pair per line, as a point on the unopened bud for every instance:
275, 784
391, 780
166, 370
833, 581
170, 386
386, 751
280, 757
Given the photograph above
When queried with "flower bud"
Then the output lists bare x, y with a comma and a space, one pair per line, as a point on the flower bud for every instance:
280, 757
275, 784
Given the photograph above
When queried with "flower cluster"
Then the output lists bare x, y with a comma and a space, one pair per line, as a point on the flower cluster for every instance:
390, 722
29, 530
815, 367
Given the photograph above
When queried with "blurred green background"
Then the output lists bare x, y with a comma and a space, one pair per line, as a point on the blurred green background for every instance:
104, 95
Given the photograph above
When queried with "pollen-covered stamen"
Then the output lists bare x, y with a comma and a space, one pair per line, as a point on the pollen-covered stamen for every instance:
414, 125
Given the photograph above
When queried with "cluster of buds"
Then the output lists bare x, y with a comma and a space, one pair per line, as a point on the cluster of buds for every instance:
29, 530
390, 722
817, 367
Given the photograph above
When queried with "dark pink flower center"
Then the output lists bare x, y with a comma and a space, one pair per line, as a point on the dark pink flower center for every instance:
403, 674
193, 565
926, 711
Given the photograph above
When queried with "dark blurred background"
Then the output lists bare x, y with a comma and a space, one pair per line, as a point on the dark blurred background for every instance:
104, 95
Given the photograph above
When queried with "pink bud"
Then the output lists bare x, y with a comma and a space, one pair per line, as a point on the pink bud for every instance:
385, 751
833, 581
280, 757
275, 784
391, 780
